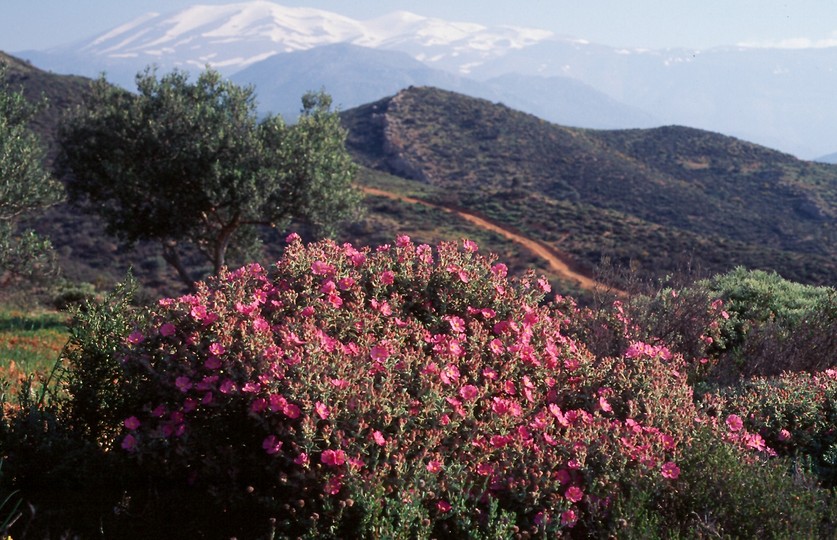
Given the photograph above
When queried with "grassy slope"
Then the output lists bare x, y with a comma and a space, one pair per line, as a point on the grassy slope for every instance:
30, 340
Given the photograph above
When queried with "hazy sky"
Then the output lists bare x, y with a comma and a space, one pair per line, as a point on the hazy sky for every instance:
700, 24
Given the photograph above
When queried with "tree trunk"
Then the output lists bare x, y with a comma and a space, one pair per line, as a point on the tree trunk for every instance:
171, 256
223, 242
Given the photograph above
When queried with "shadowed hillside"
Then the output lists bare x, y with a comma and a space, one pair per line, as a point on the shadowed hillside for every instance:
658, 199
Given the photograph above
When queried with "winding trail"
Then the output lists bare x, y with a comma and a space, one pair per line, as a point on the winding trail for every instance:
557, 263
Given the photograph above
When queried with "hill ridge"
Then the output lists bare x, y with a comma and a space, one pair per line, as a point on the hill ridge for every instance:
701, 187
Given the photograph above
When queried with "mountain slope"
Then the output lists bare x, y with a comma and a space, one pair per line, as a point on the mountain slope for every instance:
648, 196
353, 75
54, 93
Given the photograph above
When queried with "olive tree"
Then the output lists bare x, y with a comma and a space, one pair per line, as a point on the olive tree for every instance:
25, 187
187, 163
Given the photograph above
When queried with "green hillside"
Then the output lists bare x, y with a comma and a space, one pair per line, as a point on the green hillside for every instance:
659, 198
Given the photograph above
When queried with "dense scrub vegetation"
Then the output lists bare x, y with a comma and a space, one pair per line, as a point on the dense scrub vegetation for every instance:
415, 392
406, 391
649, 197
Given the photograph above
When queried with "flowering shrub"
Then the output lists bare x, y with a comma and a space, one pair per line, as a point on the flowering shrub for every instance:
691, 322
405, 388
793, 415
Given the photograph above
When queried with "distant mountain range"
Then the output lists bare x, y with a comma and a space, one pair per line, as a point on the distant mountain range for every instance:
782, 99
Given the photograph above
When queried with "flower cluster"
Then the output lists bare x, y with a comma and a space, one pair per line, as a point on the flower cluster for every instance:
792, 415
347, 371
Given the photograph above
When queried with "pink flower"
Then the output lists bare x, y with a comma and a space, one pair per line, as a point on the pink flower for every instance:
668, 441
301, 459
333, 458
198, 312
734, 422
443, 506
605, 406
388, 277
500, 406
183, 383
227, 386
379, 438
260, 325
258, 405
456, 323
755, 441
544, 285
322, 410
272, 445
379, 352
784, 435
217, 349
500, 441
402, 241
251, 387
670, 470
167, 329
333, 485
574, 494
132, 423
291, 411
129, 443
434, 466
320, 268
136, 337
500, 270
468, 392
291, 238
569, 518
213, 362
470, 246
425, 253
450, 374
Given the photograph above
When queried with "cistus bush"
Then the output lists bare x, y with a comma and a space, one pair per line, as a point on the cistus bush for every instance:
795, 414
404, 391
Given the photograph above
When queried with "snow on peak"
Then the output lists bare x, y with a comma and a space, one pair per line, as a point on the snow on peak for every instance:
235, 35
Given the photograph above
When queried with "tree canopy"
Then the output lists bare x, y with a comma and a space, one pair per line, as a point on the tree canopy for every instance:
25, 187
190, 163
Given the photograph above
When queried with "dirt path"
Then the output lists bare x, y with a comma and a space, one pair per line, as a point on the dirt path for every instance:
556, 263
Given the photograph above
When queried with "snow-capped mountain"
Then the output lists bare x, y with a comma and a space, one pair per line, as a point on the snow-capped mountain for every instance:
782, 99
233, 36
